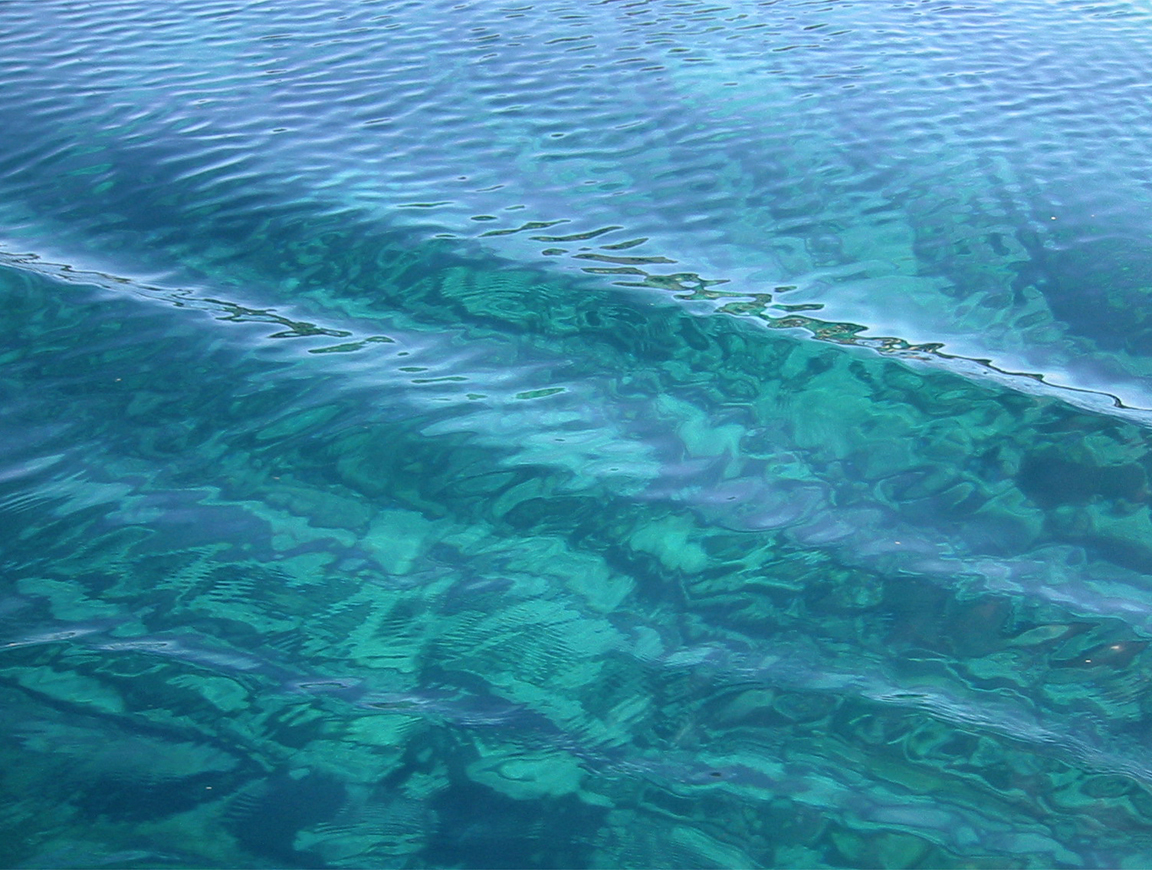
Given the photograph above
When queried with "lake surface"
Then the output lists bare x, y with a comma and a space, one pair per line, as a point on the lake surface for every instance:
575, 434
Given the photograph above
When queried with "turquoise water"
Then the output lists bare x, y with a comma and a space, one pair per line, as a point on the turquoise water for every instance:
575, 434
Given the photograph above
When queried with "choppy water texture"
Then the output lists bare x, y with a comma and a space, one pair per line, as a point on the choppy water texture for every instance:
575, 434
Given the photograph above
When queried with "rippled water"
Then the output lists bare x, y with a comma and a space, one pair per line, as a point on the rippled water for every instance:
575, 434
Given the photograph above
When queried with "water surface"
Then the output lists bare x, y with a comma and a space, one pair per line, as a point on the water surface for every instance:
560, 434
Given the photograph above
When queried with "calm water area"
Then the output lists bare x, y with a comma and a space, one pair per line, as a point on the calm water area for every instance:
575, 434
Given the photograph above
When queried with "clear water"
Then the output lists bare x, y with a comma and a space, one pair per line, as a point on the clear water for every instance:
575, 434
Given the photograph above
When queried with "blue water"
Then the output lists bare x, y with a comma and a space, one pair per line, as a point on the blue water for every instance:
575, 434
